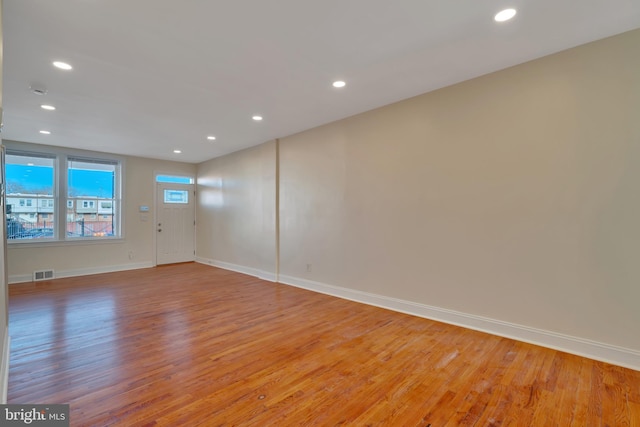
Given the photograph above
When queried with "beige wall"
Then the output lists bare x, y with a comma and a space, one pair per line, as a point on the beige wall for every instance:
513, 197
139, 189
236, 209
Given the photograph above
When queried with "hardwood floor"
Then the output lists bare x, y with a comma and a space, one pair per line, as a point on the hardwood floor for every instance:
188, 345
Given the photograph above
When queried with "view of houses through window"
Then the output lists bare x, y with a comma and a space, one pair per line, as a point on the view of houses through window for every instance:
89, 188
30, 193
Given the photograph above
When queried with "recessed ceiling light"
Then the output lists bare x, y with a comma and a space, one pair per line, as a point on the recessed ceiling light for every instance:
211, 138
48, 107
339, 83
177, 151
45, 132
505, 15
257, 118
62, 65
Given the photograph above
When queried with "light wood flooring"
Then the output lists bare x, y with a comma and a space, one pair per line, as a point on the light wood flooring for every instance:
189, 345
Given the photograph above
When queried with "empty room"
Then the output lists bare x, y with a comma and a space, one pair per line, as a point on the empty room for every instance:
286, 213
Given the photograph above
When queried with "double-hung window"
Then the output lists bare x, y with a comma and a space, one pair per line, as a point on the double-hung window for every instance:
92, 188
60, 197
30, 187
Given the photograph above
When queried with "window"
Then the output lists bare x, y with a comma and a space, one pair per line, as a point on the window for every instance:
93, 183
41, 185
30, 184
175, 179
176, 196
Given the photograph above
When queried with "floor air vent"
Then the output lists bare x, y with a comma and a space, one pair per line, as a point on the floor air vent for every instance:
42, 275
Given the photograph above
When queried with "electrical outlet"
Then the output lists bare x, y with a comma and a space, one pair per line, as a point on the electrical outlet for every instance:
308, 268
131, 255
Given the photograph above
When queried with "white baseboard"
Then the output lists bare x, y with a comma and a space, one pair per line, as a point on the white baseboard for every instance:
20, 278
59, 274
620, 356
264, 275
4, 367
625, 357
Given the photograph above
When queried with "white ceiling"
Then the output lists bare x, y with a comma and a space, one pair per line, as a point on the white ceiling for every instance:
151, 76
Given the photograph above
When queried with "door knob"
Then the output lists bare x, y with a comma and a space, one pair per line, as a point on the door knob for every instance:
159, 230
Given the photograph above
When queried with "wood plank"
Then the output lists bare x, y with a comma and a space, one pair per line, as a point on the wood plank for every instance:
190, 344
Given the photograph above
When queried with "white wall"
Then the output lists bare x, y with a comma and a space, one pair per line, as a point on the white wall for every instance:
85, 258
508, 203
236, 213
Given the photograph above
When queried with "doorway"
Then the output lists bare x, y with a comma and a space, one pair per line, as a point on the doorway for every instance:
175, 223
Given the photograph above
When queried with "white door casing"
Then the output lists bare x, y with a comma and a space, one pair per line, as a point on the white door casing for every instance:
175, 223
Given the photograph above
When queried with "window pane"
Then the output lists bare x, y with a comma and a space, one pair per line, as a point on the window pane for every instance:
91, 198
30, 197
87, 178
176, 196
174, 179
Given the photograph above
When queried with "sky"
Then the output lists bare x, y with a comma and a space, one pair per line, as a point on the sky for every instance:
39, 180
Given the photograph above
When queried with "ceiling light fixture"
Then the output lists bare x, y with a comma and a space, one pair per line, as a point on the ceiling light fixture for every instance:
45, 132
505, 15
257, 118
177, 151
339, 84
62, 65
47, 107
211, 138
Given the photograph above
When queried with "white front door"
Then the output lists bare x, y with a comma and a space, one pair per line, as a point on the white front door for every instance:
175, 225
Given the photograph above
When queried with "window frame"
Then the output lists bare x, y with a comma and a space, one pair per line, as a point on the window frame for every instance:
26, 200
93, 203
61, 158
